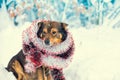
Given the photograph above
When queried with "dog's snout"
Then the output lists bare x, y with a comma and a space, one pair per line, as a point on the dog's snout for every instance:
47, 42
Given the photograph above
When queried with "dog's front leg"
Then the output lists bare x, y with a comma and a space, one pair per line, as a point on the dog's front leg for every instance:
48, 74
40, 73
19, 70
49, 77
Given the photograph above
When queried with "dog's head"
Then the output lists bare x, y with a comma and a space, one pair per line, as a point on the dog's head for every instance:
51, 32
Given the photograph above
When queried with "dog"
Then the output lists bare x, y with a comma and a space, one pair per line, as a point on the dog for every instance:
51, 33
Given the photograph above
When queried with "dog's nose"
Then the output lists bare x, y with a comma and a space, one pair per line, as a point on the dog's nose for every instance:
47, 42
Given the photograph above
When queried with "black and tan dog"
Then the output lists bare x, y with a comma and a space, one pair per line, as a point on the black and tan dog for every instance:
52, 33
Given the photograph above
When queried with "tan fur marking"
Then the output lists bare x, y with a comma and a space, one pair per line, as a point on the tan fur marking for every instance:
45, 30
55, 41
40, 73
19, 70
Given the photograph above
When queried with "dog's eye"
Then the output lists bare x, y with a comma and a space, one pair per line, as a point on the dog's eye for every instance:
43, 32
53, 32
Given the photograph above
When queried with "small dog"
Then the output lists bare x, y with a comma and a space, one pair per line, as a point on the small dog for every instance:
51, 34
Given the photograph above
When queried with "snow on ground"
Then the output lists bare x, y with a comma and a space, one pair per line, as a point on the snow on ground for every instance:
10, 44
97, 53
4, 75
11, 39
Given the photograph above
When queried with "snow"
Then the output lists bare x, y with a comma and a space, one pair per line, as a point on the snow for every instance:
96, 56
4, 75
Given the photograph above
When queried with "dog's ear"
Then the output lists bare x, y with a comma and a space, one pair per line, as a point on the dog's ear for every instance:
40, 27
64, 31
64, 25
39, 24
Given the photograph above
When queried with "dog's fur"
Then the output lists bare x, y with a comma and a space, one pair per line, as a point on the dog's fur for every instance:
52, 33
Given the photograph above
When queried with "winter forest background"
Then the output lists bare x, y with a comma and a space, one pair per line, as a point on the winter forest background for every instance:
81, 12
94, 24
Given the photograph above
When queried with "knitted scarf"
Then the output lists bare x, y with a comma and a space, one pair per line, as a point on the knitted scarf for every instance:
37, 53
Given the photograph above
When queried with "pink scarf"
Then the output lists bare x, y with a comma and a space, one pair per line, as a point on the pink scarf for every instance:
37, 53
